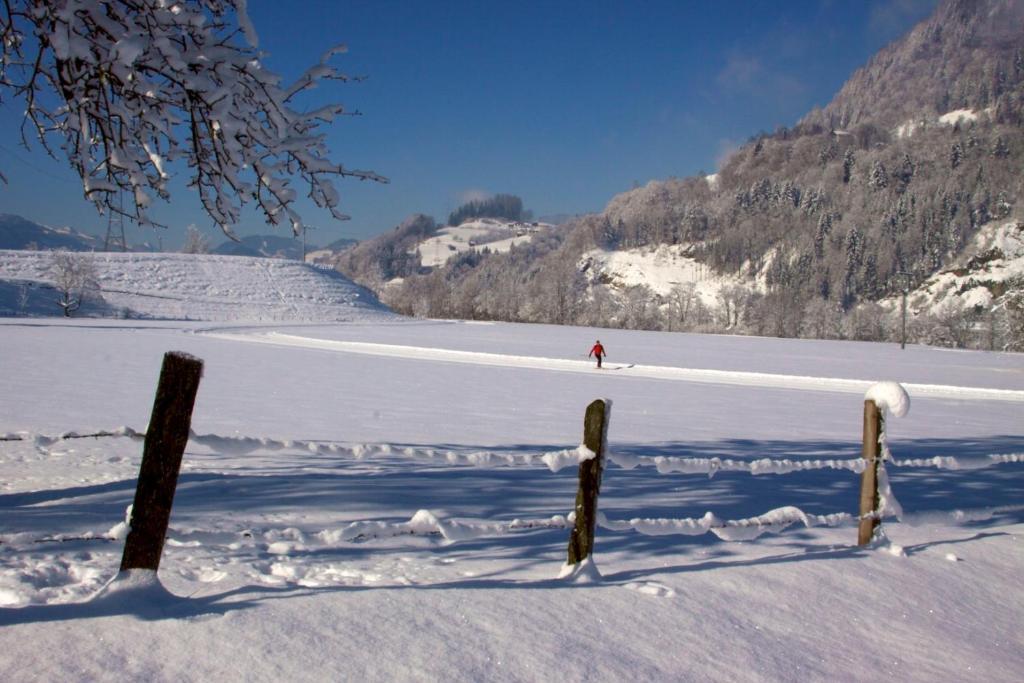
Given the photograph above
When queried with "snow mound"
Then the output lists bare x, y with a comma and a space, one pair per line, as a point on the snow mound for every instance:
581, 573
890, 397
134, 591
191, 287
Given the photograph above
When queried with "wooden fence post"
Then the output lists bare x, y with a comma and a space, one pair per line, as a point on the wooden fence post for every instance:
870, 451
165, 442
595, 427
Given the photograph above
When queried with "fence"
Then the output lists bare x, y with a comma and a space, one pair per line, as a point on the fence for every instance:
169, 430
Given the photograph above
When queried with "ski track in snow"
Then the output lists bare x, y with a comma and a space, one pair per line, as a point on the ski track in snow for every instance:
671, 373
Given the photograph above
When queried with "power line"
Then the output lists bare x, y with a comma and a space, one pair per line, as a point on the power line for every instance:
17, 157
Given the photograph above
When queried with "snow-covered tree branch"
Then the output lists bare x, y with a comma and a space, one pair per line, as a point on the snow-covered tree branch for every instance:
124, 88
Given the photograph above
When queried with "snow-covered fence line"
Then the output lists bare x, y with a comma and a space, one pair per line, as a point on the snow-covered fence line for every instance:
553, 460
425, 522
43, 440
949, 462
711, 466
240, 445
877, 500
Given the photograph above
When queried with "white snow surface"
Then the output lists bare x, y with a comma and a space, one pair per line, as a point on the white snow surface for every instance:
953, 117
470, 236
950, 118
661, 268
390, 500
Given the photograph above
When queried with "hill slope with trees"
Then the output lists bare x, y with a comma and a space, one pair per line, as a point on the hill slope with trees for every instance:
823, 223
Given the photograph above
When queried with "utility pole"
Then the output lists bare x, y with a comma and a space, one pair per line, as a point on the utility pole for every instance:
304, 228
905, 280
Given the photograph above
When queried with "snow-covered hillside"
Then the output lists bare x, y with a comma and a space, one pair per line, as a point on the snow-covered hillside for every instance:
661, 268
190, 287
991, 266
490, 233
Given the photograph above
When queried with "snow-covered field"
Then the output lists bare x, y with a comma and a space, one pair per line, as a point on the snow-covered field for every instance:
386, 499
472, 236
190, 287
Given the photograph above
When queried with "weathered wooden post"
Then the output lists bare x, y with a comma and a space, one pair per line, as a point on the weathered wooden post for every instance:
595, 429
870, 451
165, 442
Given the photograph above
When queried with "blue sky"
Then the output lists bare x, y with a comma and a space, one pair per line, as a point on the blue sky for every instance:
563, 103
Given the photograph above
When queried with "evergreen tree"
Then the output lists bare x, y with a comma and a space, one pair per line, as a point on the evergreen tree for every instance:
848, 163
878, 178
956, 155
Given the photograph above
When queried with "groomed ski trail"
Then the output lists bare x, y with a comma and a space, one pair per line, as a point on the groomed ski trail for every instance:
659, 372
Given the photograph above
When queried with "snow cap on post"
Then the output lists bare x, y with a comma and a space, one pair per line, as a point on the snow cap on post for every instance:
890, 397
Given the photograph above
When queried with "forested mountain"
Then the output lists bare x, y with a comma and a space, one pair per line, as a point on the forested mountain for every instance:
811, 230
967, 55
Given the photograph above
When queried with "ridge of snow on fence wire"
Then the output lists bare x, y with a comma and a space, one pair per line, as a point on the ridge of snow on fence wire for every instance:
43, 440
773, 521
659, 372
949, 462
240, 445
553, 460
426, 523
711, 466
777, 520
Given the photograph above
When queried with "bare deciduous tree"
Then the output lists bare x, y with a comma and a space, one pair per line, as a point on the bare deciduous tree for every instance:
126, 87
195, 242
74, 277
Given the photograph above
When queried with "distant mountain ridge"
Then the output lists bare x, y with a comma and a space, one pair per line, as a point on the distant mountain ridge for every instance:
17, 232
20, 233
267, 246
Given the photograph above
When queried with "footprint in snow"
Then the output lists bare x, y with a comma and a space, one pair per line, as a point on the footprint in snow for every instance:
658, 590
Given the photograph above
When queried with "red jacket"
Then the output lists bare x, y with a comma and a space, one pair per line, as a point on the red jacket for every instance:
598, 351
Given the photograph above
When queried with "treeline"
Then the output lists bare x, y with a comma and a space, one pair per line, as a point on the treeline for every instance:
504, 206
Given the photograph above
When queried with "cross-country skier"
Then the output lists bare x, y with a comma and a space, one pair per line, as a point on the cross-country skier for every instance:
597, 352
